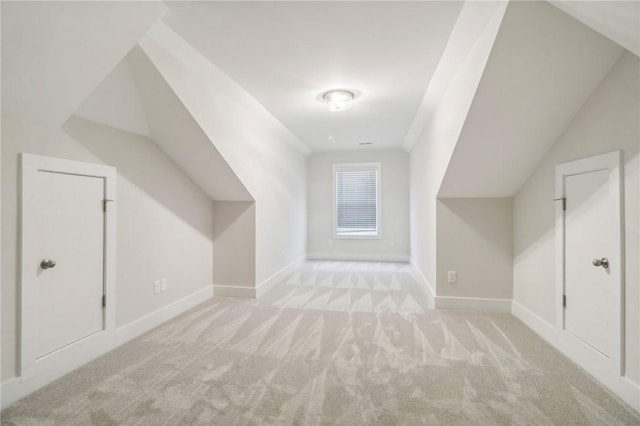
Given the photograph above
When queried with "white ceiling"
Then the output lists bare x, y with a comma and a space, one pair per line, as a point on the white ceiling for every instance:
543, 67
285, 54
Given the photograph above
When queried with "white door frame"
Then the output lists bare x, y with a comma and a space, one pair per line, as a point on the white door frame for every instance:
78, 353
582, 353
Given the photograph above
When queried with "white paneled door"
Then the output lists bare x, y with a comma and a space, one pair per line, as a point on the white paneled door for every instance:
590, 286
70, 230
590, 235
67, 262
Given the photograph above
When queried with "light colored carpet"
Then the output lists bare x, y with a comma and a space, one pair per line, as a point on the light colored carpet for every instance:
335, 343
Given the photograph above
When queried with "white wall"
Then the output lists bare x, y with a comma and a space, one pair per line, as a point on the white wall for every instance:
165, 222
446, 111
607, 121
475, 239
394, 244
267, 158
55, 53
116, 102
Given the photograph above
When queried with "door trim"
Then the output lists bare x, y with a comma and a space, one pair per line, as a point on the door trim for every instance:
80, 351
582, 353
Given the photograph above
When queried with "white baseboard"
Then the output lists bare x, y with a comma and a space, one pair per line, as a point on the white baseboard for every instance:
14, 389
541, 327
359, 257
230, 290
419, 276
473, 303
447, 302
621, 386
268, 284
162, 315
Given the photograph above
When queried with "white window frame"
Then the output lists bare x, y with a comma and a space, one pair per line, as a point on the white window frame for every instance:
359, 166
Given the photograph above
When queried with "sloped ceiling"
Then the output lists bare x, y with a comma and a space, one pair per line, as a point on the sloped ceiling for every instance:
543, 67
474, 21
116, 102
55, 53
177, 133
617, 20
286, 54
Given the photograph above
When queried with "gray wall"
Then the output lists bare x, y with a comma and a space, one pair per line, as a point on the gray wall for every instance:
165, 222
234, 243
265, 156
394, 244
475, 239
607, 121
443, 114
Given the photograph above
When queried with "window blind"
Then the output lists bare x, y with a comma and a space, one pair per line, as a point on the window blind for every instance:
357, 201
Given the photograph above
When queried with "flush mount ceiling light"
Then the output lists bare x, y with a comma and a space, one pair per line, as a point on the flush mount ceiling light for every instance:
338, 99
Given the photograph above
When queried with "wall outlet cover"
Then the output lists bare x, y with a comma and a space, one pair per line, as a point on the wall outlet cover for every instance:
452, 276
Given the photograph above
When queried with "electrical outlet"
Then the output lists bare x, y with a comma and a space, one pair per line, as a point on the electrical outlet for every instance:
452, 276
156, 287
163, 286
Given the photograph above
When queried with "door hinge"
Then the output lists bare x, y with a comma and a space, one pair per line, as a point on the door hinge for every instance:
104, 300
564, 203
564, 300
104, 204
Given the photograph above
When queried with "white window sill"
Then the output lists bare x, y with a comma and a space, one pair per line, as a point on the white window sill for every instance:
358, 236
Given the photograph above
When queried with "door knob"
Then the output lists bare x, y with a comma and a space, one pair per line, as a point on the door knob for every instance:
604, 262
47, 263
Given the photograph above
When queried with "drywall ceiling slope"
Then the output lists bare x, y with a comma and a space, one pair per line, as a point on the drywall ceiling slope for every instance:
475, 19
177, 134
286, 54
543, 67
116, 103
617, 20
55, 53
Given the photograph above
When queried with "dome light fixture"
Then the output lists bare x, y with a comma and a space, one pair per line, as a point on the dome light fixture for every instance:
338, 99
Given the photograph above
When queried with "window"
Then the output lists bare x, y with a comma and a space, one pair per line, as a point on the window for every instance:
357, 200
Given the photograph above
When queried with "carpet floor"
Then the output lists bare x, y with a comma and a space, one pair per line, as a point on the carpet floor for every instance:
340, 343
